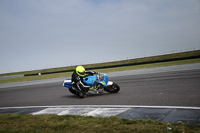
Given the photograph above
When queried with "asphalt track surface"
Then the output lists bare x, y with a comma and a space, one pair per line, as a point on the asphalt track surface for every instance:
175, 88
167, 94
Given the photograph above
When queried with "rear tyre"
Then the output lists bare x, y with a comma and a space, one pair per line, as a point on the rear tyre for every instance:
72, 91
114, 88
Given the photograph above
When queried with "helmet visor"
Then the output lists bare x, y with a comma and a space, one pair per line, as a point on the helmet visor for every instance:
82, 73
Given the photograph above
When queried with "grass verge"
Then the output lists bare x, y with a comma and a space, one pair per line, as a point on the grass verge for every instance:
76, 124
133, 67
174, 56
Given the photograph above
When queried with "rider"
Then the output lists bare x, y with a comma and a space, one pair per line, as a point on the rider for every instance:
77, 78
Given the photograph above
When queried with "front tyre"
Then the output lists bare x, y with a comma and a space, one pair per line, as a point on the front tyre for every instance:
114, 88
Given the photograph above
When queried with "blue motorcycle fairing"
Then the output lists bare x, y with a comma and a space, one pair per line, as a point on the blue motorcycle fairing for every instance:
89, 80
68, 83
104, 82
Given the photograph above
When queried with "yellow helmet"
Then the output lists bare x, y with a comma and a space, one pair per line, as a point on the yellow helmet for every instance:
80, 70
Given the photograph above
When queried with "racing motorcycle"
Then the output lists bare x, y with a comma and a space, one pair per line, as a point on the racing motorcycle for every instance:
99, 78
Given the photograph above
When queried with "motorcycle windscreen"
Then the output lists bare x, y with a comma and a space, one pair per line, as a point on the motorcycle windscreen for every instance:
105, 78
104, 81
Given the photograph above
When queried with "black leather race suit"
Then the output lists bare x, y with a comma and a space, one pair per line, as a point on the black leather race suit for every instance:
77, 81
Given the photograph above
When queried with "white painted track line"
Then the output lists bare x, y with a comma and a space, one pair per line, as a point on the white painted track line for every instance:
158, 113
103, 106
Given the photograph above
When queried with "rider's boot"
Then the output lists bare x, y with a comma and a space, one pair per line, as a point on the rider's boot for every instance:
81, 94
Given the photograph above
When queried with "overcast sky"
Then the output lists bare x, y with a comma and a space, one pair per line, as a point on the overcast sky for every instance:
38, 34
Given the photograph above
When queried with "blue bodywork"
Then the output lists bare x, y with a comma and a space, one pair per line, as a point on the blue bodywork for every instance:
68, 83
89, 80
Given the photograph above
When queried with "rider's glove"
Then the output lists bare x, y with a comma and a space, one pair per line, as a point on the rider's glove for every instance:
94, 72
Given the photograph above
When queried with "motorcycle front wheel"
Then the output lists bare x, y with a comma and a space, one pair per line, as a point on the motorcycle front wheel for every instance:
114, 88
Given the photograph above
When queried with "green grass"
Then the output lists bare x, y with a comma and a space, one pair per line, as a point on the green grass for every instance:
137, 60
130, 61
133, 67
76, 124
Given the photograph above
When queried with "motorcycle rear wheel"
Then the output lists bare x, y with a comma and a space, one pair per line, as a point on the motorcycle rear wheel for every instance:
72, 91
